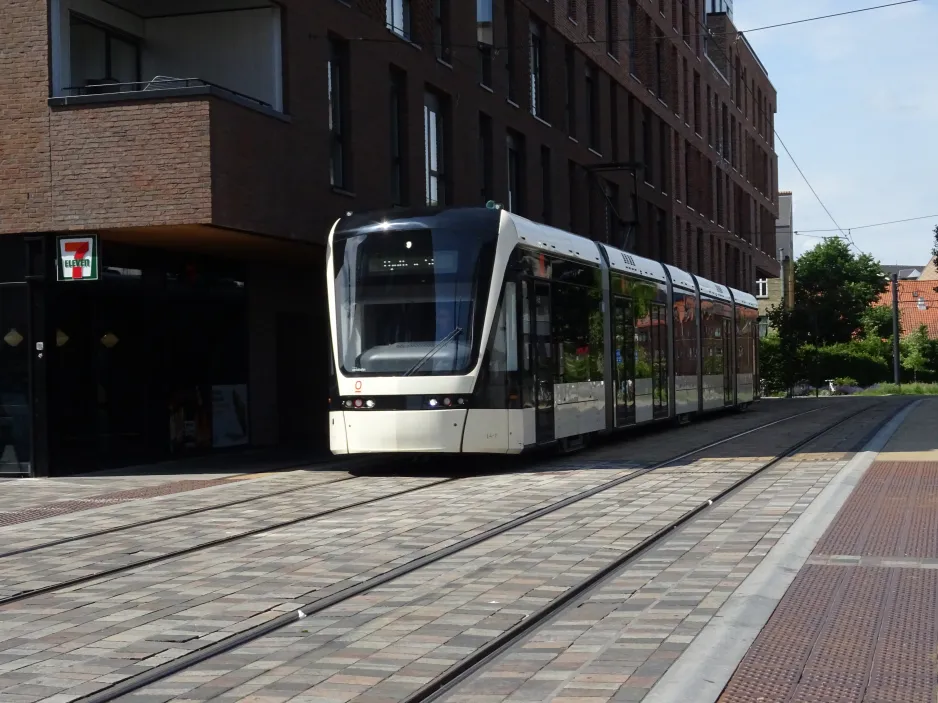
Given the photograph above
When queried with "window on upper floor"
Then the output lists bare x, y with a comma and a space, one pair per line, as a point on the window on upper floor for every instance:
442, 42
397, 17
592, 106
129, 51
484, 38
570, 107
398, 110
338, 83
536, 62
485, 158
515, 143
612, 28
435, 143
762, 288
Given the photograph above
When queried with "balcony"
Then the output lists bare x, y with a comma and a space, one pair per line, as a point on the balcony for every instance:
123, 50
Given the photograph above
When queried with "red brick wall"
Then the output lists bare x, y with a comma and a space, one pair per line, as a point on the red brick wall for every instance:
24, 118
132, 164
207, 160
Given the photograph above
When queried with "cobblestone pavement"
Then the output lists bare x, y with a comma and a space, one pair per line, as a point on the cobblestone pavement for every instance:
106, 515
67, 644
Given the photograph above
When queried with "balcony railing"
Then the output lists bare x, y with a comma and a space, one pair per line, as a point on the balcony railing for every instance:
156, 85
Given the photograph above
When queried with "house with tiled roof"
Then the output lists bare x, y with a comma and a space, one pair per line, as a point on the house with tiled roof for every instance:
918, 305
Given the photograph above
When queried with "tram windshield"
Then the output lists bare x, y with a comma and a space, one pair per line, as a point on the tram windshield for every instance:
410, 300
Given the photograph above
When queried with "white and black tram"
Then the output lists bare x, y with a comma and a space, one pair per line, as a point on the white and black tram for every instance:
476, 330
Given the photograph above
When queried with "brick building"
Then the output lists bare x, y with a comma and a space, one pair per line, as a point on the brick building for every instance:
210, 144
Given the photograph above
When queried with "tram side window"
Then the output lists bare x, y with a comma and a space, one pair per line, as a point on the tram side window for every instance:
744, 341
685, 336
578, 332
503, 349
712, 343
659, 328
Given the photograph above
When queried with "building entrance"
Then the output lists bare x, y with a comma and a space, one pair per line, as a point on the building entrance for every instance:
148, 363
15, 443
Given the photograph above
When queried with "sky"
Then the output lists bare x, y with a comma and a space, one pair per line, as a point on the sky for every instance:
858, 109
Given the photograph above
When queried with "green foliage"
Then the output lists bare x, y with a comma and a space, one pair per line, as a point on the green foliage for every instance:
877, 322
845, 381
917, 352
934, 249
908, 389
834, 289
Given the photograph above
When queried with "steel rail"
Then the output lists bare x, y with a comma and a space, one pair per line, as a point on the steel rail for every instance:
480, 658
170, 668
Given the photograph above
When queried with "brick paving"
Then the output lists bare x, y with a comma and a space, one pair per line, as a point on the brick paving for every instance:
108, 516
860, 621
74, 642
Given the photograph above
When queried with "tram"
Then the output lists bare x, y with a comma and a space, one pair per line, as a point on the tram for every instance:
474, 330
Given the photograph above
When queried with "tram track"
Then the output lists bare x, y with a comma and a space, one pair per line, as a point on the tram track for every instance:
141, 563
186, 661
447, 681
167, 518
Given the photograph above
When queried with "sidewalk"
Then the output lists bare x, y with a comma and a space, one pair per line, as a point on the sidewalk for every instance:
859, 622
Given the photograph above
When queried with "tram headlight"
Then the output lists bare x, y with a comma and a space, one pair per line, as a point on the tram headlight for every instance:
433, 402
461, 401
370, 403
358, 402
447, 402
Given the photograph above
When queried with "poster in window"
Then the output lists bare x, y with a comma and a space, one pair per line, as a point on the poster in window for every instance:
229, 415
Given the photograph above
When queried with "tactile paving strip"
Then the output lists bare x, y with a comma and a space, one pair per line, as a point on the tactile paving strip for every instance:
40, 512
855, 633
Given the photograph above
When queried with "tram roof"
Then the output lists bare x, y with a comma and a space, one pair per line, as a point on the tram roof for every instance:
747, 300
554, 240
713, 290
635, 265
681, 279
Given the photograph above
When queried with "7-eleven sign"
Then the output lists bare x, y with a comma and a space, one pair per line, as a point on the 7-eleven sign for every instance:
78, 258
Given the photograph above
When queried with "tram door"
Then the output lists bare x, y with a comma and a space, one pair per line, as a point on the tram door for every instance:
624, 342
729, 357
544, 363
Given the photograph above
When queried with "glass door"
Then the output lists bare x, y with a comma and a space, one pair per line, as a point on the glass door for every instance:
624, 343
15, 454
728, 365
543, 363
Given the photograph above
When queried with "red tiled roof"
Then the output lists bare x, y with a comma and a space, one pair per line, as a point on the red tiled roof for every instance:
910, 316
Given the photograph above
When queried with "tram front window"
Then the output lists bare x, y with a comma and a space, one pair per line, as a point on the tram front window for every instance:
410, 301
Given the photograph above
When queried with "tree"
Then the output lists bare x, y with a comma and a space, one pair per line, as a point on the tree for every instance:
934, 248
877, 322
917, 353
834, 290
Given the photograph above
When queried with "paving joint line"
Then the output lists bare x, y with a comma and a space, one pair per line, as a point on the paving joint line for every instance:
186, 661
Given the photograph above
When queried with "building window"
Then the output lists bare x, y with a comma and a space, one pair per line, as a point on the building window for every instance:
398, 17
435, 149
697, 105
665, 246
659, 67
664, 153
709, 117
441, 30
338, 112
612, 28
546, 187
591, 18
571, 91
100, 55
485, 40
571, 9
633, 56
592, 106
647, 154
398, 120
485, 157
510, 51
536, 60
571, 185
614, 118
515, 173
611, 193
762, 288
745, 94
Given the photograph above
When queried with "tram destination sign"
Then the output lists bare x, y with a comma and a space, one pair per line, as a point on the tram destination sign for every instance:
77, 258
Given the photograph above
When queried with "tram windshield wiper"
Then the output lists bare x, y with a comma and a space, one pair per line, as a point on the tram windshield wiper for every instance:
439, 345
